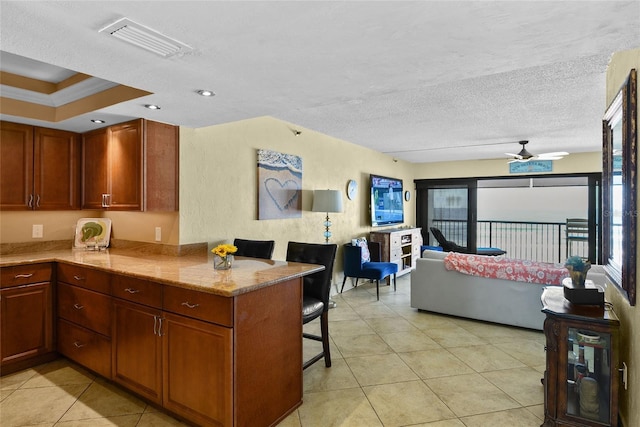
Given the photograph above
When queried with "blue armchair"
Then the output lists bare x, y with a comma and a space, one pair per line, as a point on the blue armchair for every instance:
372, 270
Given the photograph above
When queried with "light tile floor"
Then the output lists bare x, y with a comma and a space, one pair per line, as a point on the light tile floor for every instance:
391, 366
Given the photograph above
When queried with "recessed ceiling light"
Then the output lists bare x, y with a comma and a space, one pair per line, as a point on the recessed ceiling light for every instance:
97, 121
152, 107
206, 92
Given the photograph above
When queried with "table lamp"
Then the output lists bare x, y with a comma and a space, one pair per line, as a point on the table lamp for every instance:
327, 201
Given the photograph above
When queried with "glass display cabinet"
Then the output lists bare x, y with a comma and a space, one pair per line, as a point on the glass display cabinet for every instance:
581, 376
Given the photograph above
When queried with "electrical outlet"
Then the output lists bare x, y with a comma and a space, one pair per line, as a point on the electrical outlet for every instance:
625, 375
37, 231
158, 234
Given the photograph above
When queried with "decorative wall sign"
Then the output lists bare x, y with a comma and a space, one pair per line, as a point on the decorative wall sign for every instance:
279, 185
531, 166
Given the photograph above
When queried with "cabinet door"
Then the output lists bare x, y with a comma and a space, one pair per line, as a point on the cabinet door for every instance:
16, 166
26, 328
125, 151
137, 349
56, 171
202, 395
95, 171
161, 162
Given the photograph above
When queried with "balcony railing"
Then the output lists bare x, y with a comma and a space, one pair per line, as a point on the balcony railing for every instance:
535, 241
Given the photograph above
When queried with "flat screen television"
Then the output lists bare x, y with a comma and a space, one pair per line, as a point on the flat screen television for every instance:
386, 201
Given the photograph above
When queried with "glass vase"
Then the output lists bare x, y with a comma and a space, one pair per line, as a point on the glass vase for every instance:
222, 262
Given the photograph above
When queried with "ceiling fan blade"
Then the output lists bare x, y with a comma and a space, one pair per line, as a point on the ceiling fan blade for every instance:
514, 155
553, 154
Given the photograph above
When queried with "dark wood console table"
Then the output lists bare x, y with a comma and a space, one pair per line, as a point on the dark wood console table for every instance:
581, 376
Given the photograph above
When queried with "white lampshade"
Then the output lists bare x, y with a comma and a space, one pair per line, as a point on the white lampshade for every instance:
327, 201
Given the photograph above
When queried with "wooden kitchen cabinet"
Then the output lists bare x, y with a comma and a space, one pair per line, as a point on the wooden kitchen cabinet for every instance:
202, 395
84, 317
131, 166
26, 317
137, 349
40, 168
193, 352
155, 351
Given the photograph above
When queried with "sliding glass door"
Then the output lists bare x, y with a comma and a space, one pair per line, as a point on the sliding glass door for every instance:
526, 216
448, 206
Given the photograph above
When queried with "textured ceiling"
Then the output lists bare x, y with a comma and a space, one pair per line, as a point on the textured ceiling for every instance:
422, 81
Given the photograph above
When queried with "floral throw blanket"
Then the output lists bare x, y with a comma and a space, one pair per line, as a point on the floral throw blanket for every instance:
499, 267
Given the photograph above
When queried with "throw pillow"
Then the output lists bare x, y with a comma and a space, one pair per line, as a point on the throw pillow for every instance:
362, 242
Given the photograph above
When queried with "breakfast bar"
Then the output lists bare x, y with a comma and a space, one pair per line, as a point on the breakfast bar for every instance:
213, 347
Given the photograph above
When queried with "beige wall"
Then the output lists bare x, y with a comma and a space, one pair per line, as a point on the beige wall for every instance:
617, 72
15, 227
218, 183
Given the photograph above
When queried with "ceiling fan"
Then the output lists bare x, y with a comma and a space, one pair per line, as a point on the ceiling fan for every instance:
525, 156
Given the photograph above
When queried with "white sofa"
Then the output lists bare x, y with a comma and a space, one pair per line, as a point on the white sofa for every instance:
436, 289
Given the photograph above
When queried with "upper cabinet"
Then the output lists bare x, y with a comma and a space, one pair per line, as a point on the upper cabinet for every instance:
131, 166
39, 168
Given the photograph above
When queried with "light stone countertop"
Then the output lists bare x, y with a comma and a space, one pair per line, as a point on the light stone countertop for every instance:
192, 272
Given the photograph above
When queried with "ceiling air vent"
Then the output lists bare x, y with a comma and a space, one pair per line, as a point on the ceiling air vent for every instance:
146, 38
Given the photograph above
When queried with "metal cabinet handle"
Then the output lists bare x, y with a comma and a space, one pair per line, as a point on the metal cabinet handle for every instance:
38, 201
23, 276
157, 326
186, 304
78, 306
30, 202
131, 290
78, 344
78, 278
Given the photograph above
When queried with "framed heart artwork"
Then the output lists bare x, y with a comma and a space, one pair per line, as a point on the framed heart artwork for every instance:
279, 185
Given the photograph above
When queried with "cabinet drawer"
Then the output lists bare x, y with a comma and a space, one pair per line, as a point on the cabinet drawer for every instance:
137, 290
88, 348
24, 274
199, 305
396, 253
84, 277
84, 307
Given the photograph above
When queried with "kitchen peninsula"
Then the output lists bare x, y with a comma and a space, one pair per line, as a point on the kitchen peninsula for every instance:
216, 348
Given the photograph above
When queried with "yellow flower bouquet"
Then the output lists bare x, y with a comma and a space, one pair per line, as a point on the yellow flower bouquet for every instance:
223, 256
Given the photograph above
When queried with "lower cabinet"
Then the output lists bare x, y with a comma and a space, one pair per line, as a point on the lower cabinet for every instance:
202, 395
137, 349
26, 317
84, 317
89, 349
181, 363
210, 359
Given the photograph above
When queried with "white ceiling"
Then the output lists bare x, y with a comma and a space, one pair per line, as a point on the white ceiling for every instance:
422, 81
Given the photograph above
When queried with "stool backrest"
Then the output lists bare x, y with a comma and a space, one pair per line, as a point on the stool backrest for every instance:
254, 248
317, 285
